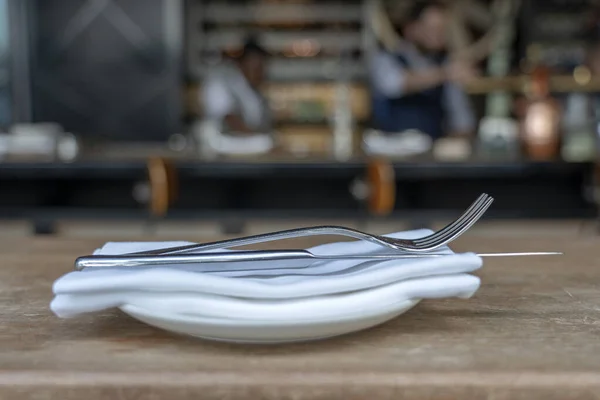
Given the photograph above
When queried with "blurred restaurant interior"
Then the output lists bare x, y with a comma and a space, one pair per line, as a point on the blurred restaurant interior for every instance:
122, 110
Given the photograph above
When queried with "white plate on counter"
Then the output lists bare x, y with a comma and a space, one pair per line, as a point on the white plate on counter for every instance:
265, 331
303, 321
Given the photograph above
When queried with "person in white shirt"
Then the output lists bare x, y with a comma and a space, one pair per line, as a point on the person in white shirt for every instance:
231, 94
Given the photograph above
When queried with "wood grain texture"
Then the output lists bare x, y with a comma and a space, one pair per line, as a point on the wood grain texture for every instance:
531, 331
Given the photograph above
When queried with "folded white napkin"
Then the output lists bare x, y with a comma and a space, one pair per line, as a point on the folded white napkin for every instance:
304, 308
246, 144
322, 289
404, 144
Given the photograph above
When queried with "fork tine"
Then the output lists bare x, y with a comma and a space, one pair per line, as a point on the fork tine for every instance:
473, 208
465, 219
459, 230
467, 223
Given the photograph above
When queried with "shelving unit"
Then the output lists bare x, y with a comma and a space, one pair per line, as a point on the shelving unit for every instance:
304, 37
306, 40
555, 32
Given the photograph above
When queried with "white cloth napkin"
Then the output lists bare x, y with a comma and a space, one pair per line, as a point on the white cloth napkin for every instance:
257, 143
314, 308
401, 144
322, 289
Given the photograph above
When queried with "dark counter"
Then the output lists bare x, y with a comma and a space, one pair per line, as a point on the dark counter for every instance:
294, 189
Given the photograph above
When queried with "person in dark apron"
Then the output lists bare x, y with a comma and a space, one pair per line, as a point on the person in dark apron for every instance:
416, 87
232, 95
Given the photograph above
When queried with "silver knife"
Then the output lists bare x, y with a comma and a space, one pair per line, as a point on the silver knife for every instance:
292, 258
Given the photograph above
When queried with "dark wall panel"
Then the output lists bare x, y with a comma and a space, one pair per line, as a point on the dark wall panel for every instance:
5, 75
107, 67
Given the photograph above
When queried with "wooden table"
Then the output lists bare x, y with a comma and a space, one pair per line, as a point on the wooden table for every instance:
532, 331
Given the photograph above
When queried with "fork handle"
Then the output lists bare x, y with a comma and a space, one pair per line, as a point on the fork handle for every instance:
272, 236
267, 260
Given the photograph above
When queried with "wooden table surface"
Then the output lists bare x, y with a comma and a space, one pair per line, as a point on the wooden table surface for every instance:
531, 331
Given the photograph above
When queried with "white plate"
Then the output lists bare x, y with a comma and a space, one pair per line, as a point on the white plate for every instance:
398, 144
305, 319
244, 144
260, 331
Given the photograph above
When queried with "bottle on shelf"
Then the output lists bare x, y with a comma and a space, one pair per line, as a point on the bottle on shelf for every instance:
205, 133
343, 122
540, 127
579, 142
498, 134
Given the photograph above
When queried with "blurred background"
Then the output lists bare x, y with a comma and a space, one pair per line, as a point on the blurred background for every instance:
154, 116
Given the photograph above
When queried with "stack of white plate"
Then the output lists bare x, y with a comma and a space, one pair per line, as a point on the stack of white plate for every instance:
399, 144
242, 144
250, 304
213, 140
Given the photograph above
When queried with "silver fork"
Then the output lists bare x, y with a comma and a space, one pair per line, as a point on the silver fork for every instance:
424, 244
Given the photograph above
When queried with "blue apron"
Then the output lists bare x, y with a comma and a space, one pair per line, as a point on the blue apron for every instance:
423, 111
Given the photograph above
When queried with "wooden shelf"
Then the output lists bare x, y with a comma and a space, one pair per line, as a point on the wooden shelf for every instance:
558, 84
282, 13
287, 94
